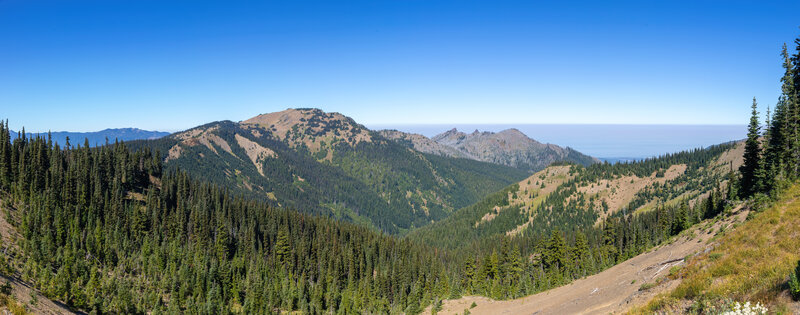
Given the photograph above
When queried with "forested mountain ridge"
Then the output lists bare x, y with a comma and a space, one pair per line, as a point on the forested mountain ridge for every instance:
509, 147
96, 138
107, 230
327, 164
570, 196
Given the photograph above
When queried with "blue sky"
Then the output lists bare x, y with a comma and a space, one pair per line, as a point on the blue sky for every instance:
170, 65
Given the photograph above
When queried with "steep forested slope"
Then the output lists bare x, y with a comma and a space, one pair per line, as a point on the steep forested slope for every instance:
326, 164
104, 229
570, 197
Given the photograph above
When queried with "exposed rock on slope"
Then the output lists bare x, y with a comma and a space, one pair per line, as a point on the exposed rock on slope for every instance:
326, 163
423, 144
311, 127
612, 291
573, 195
509, 147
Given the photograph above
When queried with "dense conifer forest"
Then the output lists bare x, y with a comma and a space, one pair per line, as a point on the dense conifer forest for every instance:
373, 183
562, 210
106, 230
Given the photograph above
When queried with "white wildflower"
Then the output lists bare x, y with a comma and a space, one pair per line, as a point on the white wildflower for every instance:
747, 309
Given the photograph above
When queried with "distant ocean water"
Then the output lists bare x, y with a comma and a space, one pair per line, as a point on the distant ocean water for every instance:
608, 142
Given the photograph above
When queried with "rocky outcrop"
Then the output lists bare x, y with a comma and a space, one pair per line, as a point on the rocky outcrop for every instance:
509, 147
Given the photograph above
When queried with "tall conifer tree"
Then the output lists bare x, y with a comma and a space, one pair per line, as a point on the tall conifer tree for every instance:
752, 154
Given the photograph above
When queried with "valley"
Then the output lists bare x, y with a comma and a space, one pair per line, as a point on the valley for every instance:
327, 164
574, 197
617, 289
311, 194
399, 157
540, 231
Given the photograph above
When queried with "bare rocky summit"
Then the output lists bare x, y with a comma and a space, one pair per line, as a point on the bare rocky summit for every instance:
509, 147
423, 144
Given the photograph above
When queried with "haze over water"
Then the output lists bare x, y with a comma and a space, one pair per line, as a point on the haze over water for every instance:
607, 142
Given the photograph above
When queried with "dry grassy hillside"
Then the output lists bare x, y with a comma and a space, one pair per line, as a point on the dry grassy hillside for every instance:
747, 263
613, 290
610, 195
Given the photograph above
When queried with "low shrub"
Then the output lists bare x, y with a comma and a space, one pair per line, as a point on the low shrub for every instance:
794, 282
646, 286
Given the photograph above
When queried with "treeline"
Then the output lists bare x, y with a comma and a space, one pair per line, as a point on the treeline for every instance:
772, 151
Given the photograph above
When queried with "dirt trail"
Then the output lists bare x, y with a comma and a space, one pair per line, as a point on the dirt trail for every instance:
614, 290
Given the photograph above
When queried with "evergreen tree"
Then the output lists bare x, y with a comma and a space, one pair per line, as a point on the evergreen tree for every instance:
752, 155
581, 253
282, 245
789, 101
556, 252
763, 172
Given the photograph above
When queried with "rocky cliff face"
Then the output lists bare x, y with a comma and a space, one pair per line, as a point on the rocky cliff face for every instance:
509, 147
423, 144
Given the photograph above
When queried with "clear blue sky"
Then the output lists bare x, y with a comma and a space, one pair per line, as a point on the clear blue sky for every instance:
170, 65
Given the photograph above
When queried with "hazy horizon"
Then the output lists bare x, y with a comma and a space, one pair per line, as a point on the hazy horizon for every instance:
604, 141
158, 65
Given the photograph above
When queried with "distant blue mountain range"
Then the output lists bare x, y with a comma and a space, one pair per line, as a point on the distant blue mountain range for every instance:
98, 137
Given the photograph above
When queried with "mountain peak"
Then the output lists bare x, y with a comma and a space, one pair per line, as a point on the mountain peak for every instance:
289, 116
508, 147
450, 133
312, 127
513, 131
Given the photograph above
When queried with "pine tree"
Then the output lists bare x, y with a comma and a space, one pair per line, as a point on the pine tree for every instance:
469, 273
765, 172
556, 251
581, 252
790, 88
752, 155
282, 245
790, 116
5, 155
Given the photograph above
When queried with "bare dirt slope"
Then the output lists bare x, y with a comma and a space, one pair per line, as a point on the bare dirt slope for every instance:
23, 293
612, 291
20, 291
